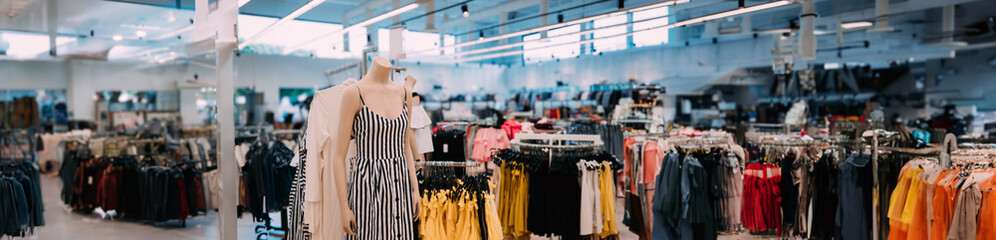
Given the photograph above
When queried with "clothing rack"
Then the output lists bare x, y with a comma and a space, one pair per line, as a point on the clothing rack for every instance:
448, 164
557, 138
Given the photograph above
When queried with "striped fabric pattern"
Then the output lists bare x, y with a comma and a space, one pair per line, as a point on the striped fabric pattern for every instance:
380, 189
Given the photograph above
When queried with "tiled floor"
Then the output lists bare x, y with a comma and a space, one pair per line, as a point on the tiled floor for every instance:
61, 223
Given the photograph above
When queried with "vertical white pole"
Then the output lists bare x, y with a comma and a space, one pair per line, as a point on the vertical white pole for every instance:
225, 45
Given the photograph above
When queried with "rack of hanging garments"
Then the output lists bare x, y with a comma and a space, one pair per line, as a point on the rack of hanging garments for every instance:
145, 184
267, 177
450, 141
612, 134
933, 201
20, 190
540, 191
669, 169
640, 157
888, 144
456, 206
778, 186
288, 181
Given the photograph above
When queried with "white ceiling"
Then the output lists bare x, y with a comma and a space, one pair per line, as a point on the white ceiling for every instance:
108, 18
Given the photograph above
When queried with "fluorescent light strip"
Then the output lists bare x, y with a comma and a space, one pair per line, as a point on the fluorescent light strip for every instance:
856, 25
512, 45
303, 9
243, 2
735, 12
552, 26
365, 23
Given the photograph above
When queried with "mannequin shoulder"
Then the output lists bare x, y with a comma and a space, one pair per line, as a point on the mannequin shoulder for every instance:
351, 97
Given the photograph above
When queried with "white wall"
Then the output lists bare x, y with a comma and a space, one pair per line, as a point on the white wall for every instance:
267, 74
32, 75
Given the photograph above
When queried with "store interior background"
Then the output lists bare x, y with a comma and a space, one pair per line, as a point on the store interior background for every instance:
688, 63
728, 60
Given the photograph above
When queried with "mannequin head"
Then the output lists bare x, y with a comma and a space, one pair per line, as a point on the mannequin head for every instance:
379, 71
410, 82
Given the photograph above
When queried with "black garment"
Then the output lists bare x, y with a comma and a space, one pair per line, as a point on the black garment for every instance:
283, 177
540, 183
824, 177
268, 177
14, 209
790, 192
854, 190
889, 167
555, 200
449, 145
698, 209
667, 199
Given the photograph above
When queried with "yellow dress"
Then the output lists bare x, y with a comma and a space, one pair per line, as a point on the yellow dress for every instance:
491, 218
608, 199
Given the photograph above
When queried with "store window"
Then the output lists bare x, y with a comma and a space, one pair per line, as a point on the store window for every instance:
23, 45
650, 37
553, 49
603, 41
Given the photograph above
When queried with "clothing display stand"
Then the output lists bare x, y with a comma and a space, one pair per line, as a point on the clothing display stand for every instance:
557, 141
876, 151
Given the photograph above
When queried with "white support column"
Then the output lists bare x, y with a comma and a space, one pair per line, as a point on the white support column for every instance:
807, 42
502, 19
225, 44
470, 36
52, 22
372, 35
948, 27
395, 4
881, 17
345, 36
430, 17
629, 29
544, 8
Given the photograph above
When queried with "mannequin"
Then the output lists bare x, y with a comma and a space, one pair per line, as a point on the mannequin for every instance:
410, 86
382, 184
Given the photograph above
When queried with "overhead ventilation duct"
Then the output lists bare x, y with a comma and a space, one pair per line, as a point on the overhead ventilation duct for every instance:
881, 17
807, 42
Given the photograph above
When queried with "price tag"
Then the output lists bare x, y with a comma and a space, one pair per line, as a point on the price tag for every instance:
446, 148
89, 180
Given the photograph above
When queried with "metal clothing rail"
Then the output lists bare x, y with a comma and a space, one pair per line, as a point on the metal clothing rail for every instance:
448, 164
551, 138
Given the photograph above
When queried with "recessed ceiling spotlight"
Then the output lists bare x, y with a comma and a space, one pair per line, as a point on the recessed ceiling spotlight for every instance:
117, 38
141, 34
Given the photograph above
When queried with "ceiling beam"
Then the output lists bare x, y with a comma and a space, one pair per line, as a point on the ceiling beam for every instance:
363, 8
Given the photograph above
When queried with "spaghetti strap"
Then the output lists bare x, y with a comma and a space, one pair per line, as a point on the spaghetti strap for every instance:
361, 95
404, 98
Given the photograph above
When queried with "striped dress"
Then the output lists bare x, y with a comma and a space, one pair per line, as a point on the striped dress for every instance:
380, 192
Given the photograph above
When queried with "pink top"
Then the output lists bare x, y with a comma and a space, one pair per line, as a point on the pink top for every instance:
487, 141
